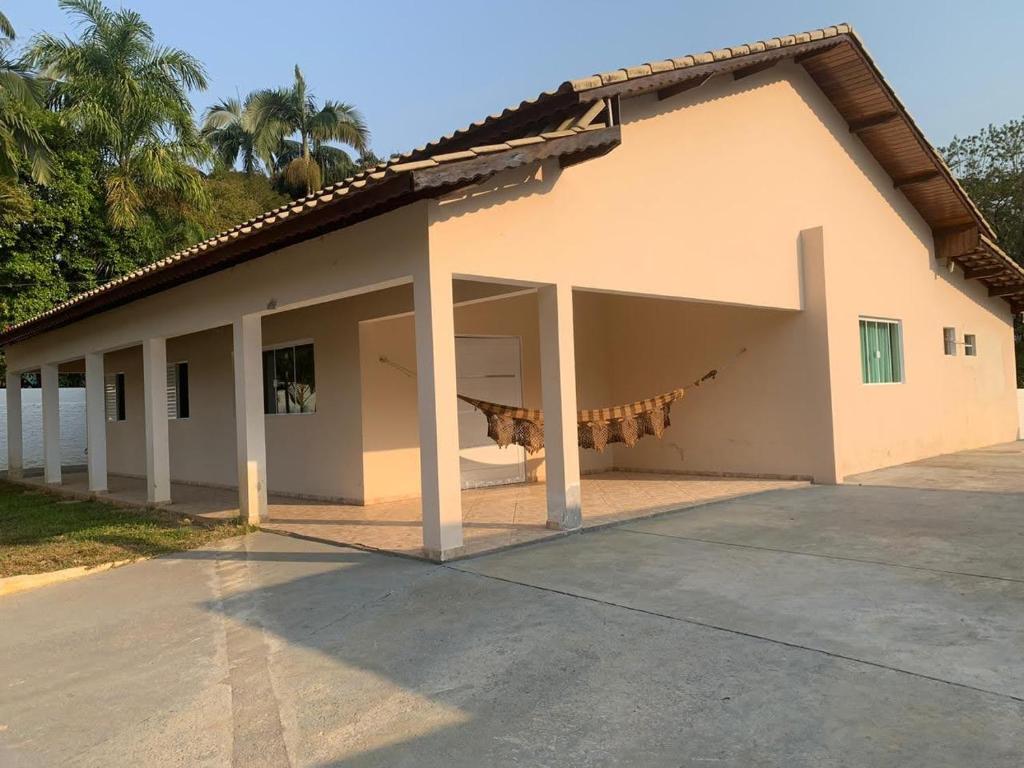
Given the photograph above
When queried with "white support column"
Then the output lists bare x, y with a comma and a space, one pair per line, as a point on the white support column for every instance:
154, 391
558, 390
438, 414
249, 418
95, 422
51, 423
15, 457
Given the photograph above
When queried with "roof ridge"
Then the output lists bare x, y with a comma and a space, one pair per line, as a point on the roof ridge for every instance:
692, 59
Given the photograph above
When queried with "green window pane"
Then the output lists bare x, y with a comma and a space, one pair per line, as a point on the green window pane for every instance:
885, 347
897, 352
880, 352
863, 351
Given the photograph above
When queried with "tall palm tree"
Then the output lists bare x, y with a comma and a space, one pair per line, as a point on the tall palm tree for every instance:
130, 97
20, 102
274, 115
227, 131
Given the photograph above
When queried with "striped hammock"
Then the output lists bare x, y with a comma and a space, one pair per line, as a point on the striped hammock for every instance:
596, 428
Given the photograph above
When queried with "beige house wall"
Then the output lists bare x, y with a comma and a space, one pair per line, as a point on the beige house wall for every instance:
706, 199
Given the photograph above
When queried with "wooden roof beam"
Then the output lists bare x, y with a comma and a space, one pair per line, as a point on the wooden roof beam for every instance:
917, 178
864, 123
686, 85
957, 244
1006, 290
979, 273
753, 69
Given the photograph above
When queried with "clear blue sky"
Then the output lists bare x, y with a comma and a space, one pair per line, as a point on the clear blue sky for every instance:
420, 69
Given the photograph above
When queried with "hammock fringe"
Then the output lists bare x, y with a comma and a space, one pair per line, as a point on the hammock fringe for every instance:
596, 429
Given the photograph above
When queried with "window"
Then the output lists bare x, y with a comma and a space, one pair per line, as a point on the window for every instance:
289, 382
881, 351
113, 396
177, 391
949, 341
970, 345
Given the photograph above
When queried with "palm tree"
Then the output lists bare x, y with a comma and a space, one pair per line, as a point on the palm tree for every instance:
20, 101
274, 115
331, 163
129, 96
226, 130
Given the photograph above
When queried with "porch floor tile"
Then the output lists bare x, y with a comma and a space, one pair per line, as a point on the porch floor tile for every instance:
493, 518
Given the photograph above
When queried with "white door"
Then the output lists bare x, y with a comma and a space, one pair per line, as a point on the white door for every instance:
487, 368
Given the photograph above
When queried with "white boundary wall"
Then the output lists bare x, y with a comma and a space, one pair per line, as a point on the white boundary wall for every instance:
72, 426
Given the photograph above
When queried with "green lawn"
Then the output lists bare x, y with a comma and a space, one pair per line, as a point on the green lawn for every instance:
40, 532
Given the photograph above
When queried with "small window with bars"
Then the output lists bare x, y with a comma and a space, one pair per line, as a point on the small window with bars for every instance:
113, 396
177, 391
949, 341
970, 345
881, 351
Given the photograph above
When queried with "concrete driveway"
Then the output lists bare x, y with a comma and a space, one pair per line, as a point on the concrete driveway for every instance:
848, 626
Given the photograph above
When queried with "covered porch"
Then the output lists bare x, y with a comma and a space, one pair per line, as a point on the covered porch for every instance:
379, 454
492, 518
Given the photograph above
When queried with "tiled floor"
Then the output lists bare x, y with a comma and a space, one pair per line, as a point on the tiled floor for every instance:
493, 518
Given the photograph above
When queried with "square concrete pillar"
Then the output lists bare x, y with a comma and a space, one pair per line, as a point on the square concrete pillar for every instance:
558, 390
438, 413
154, 395
249, 418
820, 328
50, 381
15, 455
95, 422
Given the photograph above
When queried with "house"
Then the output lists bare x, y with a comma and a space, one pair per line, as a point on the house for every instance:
769, 209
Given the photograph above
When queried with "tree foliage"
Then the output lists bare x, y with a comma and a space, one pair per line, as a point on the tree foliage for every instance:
56, 240
103, 169
128, 96
274, 115
226, 129
990, 165
21, 96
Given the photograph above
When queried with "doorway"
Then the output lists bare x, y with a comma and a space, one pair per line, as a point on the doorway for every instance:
488, 368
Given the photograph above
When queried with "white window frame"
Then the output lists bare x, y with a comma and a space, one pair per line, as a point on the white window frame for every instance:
949, 341
970, 347
285, 345
177, 404
902, 359
107, 377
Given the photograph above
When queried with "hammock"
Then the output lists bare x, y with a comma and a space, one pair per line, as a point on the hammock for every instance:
595, 429
508, 425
